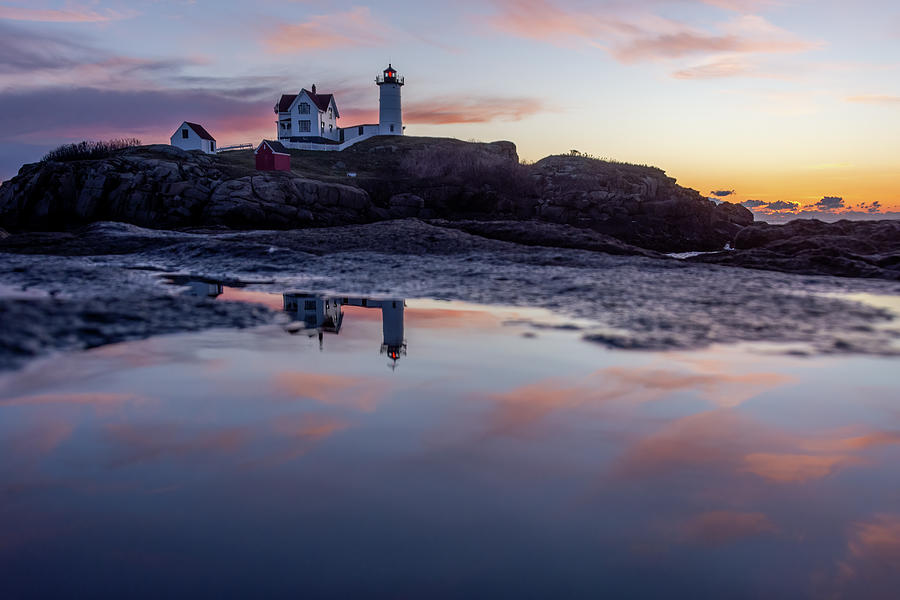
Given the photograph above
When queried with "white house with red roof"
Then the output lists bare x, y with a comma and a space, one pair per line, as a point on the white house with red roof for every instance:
191, 136
308, 120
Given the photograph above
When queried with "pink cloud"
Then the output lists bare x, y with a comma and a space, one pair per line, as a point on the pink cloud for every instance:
469, 109
356, 27
882, 99
633, 34
71, 15
715, 70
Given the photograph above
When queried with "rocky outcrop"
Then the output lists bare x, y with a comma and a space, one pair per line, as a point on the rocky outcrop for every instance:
163, 186
378, 179
550, 235
810, 246
638, 205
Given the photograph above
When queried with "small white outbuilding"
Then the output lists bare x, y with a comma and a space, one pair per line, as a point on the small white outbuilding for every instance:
190, 136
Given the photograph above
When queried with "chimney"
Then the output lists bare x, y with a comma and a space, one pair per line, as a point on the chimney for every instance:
314, 89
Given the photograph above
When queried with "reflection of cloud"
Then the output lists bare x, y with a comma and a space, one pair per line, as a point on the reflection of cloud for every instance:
98, 401
729, 442
873, 560
359, 393
710, 440
524, 406
723, 526
878, 538
794, 468
145, 443
300, 433
271, 442
37, 442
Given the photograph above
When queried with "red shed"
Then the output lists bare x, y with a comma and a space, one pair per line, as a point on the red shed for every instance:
272, 156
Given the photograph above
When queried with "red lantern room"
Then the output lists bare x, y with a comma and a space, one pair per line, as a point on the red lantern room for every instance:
389, 75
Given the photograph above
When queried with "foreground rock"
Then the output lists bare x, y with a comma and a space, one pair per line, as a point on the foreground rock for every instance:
845, 248
109, 282
36, 326
550, 235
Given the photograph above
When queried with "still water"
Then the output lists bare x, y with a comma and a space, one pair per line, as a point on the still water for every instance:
382, 447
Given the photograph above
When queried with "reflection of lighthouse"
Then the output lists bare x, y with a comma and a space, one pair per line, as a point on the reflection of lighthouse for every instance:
392, 328
322, 314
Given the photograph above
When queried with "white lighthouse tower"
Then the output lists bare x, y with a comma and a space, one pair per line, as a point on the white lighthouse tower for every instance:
390, 114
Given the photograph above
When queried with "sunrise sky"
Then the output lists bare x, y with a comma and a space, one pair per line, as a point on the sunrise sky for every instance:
793, 104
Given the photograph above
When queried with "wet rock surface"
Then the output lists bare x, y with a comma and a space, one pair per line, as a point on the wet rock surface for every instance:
106, 283
808, 246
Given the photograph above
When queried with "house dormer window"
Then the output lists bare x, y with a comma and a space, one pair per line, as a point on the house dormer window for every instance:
303, 108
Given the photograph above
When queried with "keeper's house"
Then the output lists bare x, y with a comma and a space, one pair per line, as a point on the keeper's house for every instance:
191, 136
308, 120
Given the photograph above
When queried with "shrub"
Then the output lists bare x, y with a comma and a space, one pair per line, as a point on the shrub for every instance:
86, 150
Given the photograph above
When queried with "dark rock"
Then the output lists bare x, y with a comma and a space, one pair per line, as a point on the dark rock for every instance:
163, 186
551, 235
636, 204
809, 246
406, 205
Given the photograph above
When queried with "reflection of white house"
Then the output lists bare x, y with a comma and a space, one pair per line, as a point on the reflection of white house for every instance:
325, 314
191, 136
308, 120
204, 288
315, 312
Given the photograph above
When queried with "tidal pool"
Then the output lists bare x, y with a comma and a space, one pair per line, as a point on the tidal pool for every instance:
382, 447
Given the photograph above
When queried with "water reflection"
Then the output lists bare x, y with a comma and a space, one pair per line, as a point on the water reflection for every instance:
318, 315
247, 463
206, 289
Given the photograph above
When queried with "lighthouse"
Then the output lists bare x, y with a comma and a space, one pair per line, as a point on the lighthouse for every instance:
390, 114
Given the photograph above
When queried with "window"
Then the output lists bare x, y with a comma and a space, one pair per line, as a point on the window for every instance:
331, 128
330, 113
309, 305
303, 108
212, 146
323, 126
392, 127
184, 133
361, 129
304, 126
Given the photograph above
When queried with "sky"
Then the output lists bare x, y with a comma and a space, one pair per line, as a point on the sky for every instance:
789, 106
